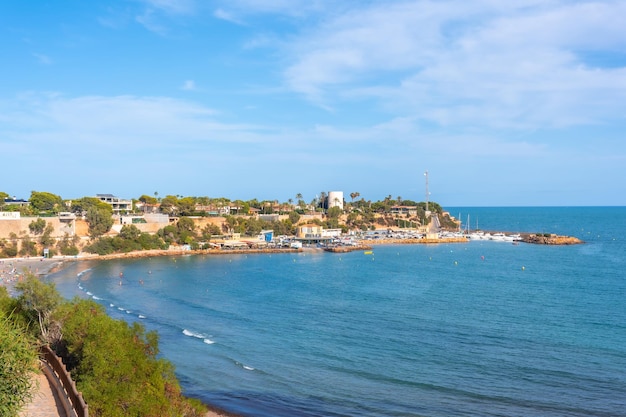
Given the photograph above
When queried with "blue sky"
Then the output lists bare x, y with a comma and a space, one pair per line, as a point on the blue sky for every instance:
515, 103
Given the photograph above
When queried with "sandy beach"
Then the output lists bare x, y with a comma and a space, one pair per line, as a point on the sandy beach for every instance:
13, 270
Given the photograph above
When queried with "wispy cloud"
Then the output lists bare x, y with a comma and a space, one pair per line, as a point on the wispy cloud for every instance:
227, 16
174, 7
43, 59
163, 138
294, 8
518, 65
156, 14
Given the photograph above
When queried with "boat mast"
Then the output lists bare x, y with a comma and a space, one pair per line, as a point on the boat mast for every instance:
427, 193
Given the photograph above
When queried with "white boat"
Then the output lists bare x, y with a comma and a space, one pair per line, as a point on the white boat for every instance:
477, 236
516, 237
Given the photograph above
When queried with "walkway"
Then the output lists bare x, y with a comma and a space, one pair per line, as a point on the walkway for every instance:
45, 402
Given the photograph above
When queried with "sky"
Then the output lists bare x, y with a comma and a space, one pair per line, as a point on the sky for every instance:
503, 103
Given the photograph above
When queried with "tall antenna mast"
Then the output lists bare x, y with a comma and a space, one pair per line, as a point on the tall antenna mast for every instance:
427, 193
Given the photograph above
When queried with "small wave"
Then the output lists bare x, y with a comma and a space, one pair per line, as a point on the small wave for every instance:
96, 298
83, 272
89, 293
141, 316
193, 334
120, 309
208, 341
111, 305
128, 311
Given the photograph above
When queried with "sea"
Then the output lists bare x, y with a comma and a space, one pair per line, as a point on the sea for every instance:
482, 328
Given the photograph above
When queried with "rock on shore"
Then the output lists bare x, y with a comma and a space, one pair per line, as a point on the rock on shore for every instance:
543, 239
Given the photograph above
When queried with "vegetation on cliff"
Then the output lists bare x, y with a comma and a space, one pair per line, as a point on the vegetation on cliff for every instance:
247, 218
18, 359
115, 365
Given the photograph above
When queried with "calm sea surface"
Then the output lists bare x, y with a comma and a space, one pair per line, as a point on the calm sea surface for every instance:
477, 329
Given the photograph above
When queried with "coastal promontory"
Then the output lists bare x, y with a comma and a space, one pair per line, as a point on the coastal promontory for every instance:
550, 239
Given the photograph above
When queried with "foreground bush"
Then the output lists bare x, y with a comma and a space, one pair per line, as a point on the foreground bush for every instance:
116, 367
114, 364
18, 361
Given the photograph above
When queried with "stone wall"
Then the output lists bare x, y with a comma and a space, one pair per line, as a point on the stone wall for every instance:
20, 226
81, 227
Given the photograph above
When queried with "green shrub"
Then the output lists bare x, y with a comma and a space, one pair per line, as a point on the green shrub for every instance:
18, 361
126, 377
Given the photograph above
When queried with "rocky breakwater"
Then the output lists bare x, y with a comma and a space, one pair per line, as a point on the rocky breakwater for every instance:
550, 239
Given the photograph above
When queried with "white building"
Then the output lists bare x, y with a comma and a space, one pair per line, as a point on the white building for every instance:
119, 206
335, 199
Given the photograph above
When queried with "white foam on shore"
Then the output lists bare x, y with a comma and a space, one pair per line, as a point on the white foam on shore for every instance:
83, 272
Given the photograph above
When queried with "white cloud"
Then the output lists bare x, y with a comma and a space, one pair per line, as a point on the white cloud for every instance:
521, 64
151, 21
227, 16
295, 8
137, 143
156, 14
175, 7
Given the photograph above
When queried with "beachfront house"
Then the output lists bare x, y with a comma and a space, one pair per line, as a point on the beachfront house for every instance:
120, 206
404, 210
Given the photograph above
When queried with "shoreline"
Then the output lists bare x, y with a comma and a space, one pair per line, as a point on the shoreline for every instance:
13, 269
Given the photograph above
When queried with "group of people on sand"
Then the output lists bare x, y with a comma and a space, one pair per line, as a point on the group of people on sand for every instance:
13, 270
9, 273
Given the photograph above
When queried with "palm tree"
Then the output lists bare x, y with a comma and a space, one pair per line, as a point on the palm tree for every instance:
322, 199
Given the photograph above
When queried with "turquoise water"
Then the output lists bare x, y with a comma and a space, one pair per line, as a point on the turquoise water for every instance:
476, 329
